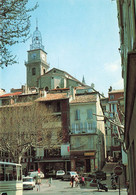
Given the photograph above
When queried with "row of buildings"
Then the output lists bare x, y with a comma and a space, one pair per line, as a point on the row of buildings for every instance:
90, 123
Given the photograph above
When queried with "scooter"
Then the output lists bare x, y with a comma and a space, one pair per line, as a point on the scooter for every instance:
113, 185
102, 186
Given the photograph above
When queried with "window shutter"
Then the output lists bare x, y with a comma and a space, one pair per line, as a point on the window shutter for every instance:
85, 126
77, 115
89, 114
73, 128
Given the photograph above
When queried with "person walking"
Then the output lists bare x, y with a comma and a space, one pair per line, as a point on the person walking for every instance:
50, 181
72, 181
83, 181
76, 181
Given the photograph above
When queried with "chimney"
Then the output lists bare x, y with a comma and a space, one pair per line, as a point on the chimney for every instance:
110, 89
73, 92
43, 93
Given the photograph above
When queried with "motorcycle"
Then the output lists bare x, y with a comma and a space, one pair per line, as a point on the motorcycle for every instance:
102, 186
113, 185
113, 182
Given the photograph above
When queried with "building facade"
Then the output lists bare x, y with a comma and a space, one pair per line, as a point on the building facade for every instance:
45, 157
115, 115
87, 133
126, 10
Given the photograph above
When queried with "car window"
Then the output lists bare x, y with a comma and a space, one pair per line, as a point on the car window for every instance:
27, 179
60, 172
72, 173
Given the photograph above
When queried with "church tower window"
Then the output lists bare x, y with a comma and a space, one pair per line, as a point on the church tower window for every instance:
33, 71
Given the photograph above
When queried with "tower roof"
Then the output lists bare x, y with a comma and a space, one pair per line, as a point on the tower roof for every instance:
83, 80
36, 40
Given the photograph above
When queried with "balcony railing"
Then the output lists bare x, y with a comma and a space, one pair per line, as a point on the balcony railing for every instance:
82, 131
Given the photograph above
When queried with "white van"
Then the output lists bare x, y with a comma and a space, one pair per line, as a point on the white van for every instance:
28, 183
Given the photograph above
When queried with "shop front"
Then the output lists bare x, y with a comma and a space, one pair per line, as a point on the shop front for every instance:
50, 166
83, 161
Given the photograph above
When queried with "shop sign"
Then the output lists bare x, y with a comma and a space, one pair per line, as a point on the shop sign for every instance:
65, 150
89, 153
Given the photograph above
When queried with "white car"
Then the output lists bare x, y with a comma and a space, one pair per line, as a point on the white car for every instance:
69, 174
35, 174
28, 183
59, 174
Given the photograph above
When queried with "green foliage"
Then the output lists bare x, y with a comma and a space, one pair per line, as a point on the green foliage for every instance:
15, 27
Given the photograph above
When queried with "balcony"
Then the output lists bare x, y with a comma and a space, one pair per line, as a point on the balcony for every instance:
83, 131
84, 127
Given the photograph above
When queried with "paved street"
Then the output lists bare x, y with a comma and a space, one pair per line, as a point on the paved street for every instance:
59, 187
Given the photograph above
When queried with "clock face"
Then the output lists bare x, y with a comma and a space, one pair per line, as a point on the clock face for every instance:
33, 55
43, 56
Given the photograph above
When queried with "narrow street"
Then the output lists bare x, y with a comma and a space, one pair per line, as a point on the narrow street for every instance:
59, 187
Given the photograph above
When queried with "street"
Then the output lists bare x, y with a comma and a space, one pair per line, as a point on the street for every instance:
59, 187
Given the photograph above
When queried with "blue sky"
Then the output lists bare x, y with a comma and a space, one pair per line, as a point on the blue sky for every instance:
80, 36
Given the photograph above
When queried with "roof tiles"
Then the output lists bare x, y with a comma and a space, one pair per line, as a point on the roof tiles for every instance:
50, 97
84, 99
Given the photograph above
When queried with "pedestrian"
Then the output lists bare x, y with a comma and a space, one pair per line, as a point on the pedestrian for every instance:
50, 181
72, 181
83, 181
127, 185
76, 181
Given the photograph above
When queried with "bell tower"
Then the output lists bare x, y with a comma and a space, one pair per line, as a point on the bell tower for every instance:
36, 65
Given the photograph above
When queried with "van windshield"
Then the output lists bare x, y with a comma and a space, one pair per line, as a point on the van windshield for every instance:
27, 179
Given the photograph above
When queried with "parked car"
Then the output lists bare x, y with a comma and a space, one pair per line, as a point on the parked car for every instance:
35, 174
59, 174
28, 183
68, 175
51, 173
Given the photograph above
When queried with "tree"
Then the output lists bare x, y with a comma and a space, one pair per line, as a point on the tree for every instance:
119, 124
15, 27
26, 125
